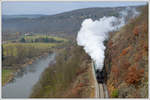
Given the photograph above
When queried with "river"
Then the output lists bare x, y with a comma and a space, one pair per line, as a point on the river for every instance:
24, 80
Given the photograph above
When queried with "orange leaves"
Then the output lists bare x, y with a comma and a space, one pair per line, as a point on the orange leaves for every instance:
125, 51
134, 75
140, 29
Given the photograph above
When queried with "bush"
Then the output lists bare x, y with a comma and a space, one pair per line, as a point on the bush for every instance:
126, 64
114, 93
23, 40
134, 75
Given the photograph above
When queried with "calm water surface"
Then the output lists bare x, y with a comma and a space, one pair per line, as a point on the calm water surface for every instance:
21, 86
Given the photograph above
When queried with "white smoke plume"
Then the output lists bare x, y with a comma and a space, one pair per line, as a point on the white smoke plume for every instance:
93, 33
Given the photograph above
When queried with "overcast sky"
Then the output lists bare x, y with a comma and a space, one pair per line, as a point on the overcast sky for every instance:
49, 8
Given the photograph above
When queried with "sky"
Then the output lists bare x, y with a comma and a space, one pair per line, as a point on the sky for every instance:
50, 8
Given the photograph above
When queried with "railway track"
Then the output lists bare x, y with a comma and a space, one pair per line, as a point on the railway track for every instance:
100, 89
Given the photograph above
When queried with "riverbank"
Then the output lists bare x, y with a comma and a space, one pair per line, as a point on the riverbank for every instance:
18, 55
7, 76
26, 78
8, 73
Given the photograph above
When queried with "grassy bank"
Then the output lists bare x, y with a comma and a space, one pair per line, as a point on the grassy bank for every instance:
6, 76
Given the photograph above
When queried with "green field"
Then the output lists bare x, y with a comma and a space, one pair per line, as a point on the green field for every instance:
12, 48
34, 37
6, 75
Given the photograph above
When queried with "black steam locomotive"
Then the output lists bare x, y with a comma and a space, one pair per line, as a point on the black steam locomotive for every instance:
100, 75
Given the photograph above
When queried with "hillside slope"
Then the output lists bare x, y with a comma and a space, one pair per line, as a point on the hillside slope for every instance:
70, 77
126, 59
64, 23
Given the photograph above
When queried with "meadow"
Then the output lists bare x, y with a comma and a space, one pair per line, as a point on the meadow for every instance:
43, 36
7, 74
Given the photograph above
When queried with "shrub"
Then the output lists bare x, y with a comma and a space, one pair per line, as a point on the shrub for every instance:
23, 40
114, 93
138, 56
134, 75
126, 64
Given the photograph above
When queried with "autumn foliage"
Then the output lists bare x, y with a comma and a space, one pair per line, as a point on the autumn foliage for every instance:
125, 51
138, 56
126, 65
134, 75
126, 60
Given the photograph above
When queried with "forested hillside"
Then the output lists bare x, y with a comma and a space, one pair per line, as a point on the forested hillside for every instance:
70, 77
67, 23
126, 59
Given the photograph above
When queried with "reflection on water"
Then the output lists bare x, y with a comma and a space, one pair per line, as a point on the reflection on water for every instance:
21, 85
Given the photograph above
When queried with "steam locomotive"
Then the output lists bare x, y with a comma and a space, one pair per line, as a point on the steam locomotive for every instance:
100, 75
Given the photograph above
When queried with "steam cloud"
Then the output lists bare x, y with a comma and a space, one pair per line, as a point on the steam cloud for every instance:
93, 33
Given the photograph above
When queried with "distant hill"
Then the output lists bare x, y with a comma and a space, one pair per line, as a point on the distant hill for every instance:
59, 24
67, 23
21, 16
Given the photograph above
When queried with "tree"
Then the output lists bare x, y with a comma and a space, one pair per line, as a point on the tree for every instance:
23, 40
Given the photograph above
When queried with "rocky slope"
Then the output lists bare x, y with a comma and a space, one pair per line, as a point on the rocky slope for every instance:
126, 59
